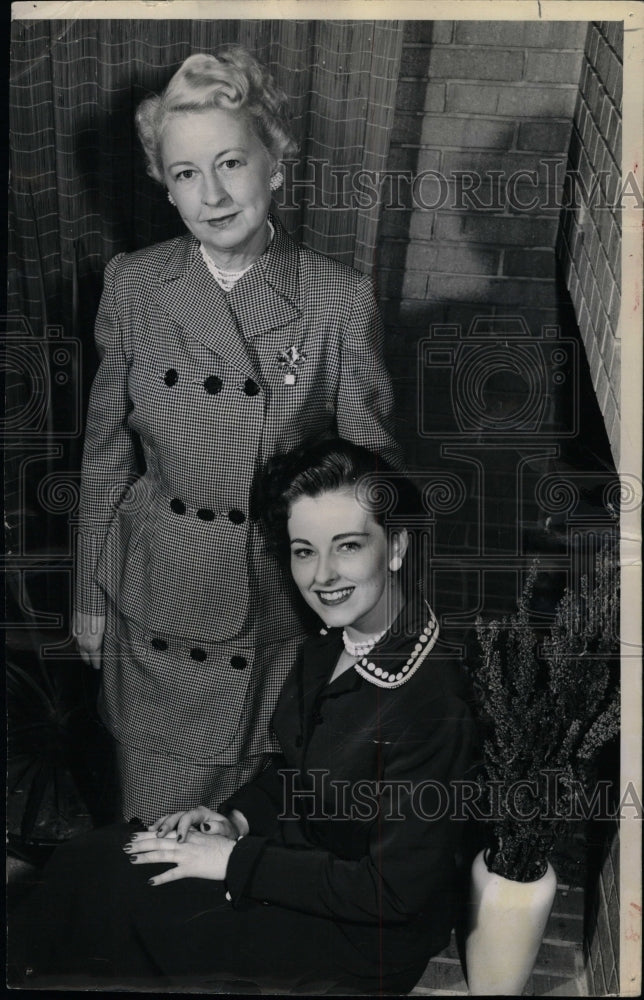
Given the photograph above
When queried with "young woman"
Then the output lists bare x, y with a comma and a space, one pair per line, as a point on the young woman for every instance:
335, 870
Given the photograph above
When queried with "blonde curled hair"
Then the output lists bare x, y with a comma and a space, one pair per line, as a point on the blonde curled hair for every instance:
232, 80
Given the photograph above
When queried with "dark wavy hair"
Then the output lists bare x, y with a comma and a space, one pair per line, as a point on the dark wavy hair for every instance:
336, 465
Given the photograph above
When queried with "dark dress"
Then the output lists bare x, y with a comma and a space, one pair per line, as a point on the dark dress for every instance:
347, 881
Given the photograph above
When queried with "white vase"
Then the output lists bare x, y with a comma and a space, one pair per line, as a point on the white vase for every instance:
507, 922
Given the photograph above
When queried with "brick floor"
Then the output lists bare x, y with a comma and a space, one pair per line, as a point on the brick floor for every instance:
559, 967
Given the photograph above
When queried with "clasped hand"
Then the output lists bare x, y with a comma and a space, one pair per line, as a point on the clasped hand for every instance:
196, 855
206, 820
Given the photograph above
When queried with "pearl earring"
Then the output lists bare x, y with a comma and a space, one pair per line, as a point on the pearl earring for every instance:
276, 180
171, 200
395, 563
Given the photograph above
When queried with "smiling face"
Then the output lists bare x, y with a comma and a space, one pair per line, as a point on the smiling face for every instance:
218, 173
339, 561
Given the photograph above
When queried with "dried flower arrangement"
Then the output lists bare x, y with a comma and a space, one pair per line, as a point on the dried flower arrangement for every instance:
546, 713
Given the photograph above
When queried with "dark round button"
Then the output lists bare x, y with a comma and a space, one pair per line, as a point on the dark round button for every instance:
236, 516
198, 654
212, 385
238, 662
158, 643
171, 377
250, 387
178, 506
205, 514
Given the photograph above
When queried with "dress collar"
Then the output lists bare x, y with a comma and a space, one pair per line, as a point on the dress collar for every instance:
413, 635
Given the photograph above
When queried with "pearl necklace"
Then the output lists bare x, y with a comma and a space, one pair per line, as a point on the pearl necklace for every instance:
383, 678
228, 279
363, 646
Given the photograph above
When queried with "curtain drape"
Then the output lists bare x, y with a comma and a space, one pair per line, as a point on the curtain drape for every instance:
79, 191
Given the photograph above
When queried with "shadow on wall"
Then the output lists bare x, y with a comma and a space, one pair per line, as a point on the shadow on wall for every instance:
495, 407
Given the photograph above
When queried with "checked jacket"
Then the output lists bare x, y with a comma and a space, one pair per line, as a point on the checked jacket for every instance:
188, 403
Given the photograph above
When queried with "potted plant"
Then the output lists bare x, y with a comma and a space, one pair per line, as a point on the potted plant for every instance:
548, 705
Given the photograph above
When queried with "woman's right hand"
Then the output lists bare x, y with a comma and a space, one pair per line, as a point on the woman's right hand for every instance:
88, 632
206, 820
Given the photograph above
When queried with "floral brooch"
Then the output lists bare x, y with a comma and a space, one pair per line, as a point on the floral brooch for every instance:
289, 361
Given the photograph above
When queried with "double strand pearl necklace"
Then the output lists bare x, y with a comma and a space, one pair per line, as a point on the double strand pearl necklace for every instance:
386, 679
228, 279
361, 647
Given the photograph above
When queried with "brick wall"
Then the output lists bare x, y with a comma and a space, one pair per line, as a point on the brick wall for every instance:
590, 237
491, 119
483, 125
602, 936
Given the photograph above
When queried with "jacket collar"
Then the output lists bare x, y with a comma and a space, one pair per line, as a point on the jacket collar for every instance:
280, 262
265, 298
193, 299
183, 255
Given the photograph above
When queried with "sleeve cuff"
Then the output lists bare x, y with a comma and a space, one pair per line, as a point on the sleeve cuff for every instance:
97, 606
256, 806
241, 864
263, 872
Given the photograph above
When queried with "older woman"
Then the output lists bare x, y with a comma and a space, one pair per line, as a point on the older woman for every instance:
336, 869
218, 349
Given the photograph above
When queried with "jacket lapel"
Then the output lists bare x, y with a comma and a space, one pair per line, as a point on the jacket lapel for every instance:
195, 301
266, 297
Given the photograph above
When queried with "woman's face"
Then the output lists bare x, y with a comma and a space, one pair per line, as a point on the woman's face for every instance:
339, 560
218, 173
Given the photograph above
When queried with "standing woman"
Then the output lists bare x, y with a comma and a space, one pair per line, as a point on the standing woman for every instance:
219, 349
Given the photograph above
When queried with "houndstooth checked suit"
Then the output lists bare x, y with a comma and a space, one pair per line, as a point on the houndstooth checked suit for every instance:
192, 375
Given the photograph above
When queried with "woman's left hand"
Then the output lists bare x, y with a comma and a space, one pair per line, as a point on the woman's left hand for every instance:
199, 855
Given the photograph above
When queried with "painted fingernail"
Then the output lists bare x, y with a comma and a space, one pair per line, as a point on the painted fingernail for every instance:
151, 881
127, 848
134, 858
179, 838
205, 826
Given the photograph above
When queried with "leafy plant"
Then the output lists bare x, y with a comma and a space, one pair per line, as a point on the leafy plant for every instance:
546, 712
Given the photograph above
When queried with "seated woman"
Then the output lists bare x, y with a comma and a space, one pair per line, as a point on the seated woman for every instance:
335, 869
